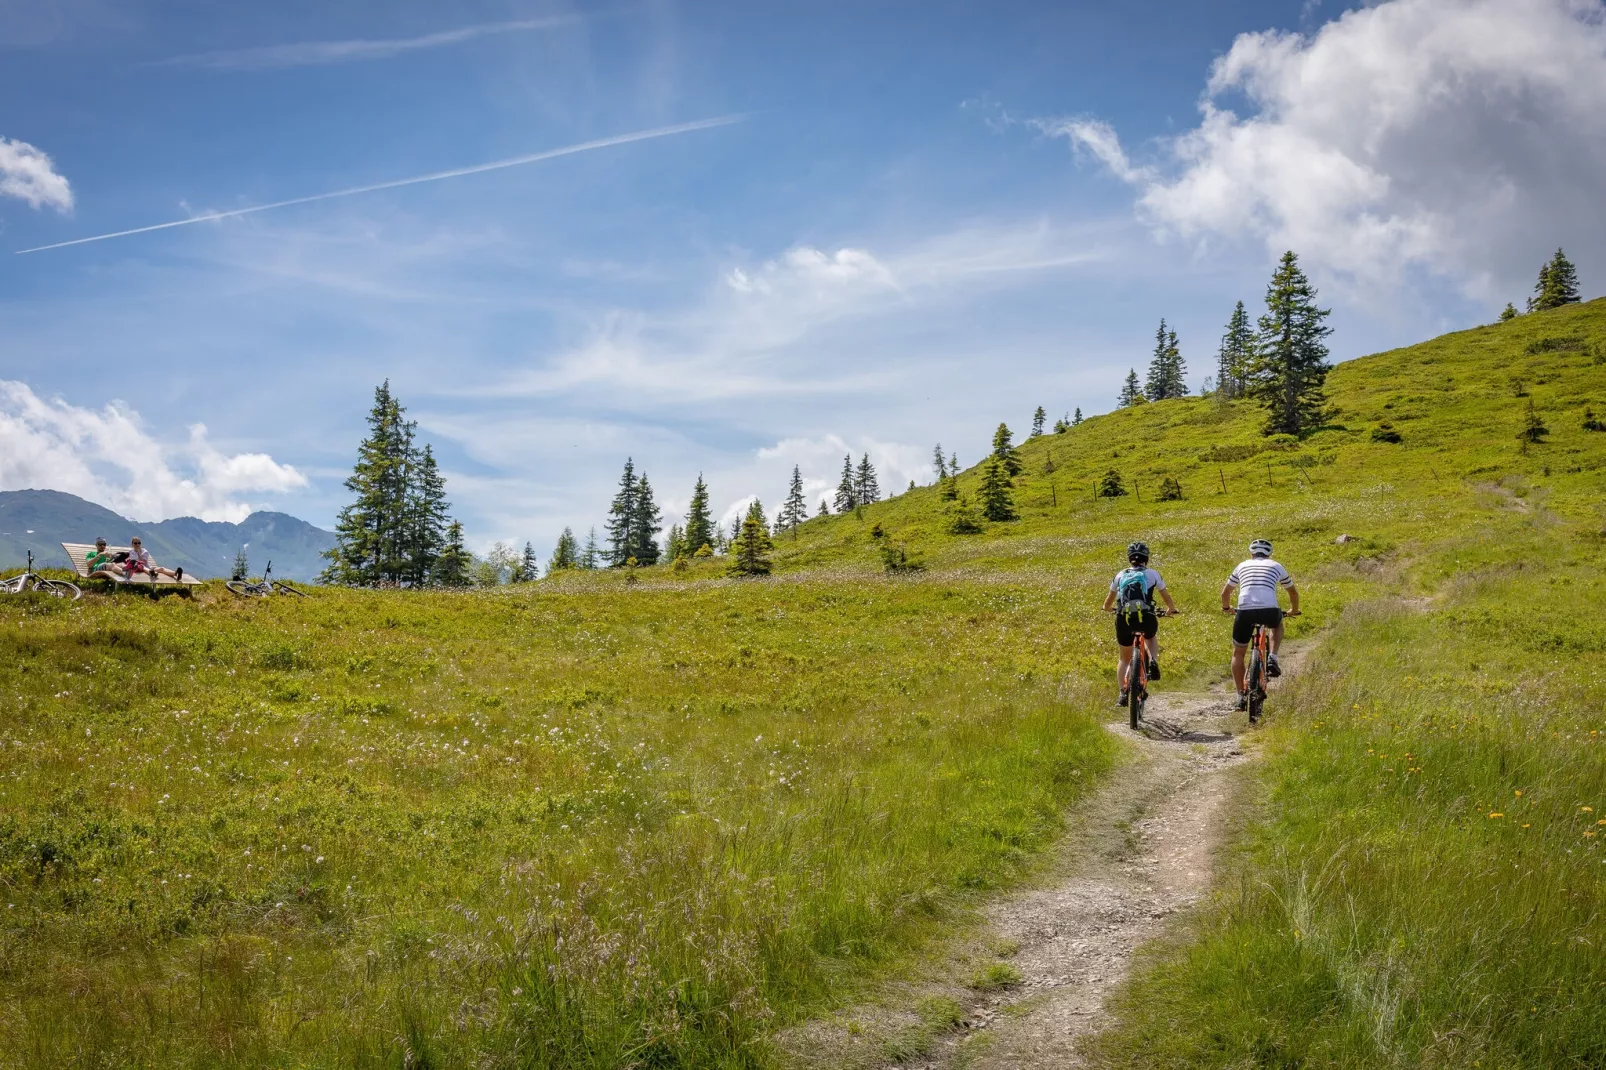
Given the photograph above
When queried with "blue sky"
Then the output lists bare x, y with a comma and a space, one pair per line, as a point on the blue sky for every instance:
929, 218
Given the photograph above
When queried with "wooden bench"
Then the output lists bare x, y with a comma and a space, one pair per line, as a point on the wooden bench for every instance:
79, 553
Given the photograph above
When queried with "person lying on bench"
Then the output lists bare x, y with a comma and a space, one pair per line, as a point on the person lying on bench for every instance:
100, 560
139, 560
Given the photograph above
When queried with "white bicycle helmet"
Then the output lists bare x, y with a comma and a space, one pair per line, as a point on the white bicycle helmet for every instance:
1260, 548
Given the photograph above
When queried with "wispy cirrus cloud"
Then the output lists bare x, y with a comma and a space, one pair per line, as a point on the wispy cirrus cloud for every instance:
28, 174
320, 53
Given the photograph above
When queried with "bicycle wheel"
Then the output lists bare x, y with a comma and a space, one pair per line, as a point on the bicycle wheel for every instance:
1257, 685
285, 588
244, 590
57, 589
1134, 687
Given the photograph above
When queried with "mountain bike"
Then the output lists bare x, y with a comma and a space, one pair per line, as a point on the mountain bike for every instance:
1137, 676
30, 581
1257, 668
268, 585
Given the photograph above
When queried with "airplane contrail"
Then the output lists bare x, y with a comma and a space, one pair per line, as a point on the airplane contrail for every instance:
434, 176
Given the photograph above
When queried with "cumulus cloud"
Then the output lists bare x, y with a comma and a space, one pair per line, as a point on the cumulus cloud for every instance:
1467, 136
27, 174
108, 458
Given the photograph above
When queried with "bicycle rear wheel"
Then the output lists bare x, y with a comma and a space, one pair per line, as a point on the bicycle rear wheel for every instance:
57, 589
1257, 685
1134, 688
244, 590
285, 588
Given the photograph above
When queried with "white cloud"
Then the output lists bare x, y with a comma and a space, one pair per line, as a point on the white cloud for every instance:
317, 53
27, 174
1467, 136
1100, 139
108, 458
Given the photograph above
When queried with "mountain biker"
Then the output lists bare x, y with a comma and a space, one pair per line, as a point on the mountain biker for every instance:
1131, 599
1257, 580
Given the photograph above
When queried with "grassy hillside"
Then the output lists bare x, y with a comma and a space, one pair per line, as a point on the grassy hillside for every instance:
614, 820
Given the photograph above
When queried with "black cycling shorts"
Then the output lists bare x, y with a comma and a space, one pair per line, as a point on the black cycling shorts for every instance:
1244, 621
1147, 624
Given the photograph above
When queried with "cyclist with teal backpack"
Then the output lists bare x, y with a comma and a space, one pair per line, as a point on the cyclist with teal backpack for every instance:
1131, 599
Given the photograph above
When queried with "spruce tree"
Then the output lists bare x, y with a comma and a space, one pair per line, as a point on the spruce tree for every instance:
591, 556
427, 517
529, 569
847, 490
996, 502
825, 508
750, 549
1063, 424
622, 517
368, 532
953, 464
1038, 419
1291, 360
1004, 451
674, 543
755, 514
1236, 355
646, 522
939, 462
866, 490
1131, 390
1509, 313
1533, 428
242, 566
1557, 286
565, 555
699, 524
452, 567
795, 509
1077, 418
1154, 386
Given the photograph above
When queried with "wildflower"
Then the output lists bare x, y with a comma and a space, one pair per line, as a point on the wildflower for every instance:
1586, 809
1518, 793
1496, 813
1525, 825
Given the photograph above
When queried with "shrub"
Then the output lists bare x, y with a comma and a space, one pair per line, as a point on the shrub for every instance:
962, 519
1385, 432
897, 558
1170, 489
1591, 423
1110, 485
1569, 344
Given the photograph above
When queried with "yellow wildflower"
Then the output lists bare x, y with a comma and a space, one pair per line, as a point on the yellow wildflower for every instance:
1496, 813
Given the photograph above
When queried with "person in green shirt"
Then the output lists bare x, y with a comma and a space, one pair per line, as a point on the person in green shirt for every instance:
99, 560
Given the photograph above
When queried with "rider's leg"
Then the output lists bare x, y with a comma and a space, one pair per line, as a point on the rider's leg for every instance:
1238, 652
1276, 639
1122, 664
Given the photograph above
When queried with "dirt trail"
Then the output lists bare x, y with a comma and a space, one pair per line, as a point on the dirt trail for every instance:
1141, 851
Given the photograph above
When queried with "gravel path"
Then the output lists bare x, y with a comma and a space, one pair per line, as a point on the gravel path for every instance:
1142, 852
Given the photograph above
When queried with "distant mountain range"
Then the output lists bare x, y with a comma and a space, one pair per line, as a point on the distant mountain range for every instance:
44, 519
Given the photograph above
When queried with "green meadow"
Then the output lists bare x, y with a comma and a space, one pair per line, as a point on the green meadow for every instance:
648, 819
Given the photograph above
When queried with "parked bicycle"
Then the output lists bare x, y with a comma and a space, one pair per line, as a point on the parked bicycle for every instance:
31, 581
262, 589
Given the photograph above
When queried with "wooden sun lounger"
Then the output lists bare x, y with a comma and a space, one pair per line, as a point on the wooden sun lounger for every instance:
80, 551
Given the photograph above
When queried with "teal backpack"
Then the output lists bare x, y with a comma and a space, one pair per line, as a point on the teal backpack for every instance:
1132, 595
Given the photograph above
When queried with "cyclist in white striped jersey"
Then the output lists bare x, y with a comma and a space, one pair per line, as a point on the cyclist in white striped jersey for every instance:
1256, 581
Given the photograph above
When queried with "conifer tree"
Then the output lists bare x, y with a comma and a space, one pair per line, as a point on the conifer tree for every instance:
795, 509
1131, 390
1509, 313
755, 514
368, 532
939, 462
674, 543
825, 508
452, 567
1154, 385
622, 517
1063, 424
1038, 419
1533, 428
242, 566
750, 549
847, 490
1004, 451
866, 491
699, 524
996, 502
529, 569
1557, 285
950, 488
1291, 360
591, 556
1076, 419
1234, 358
427, 514
953, 464
565, 555
646, 522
